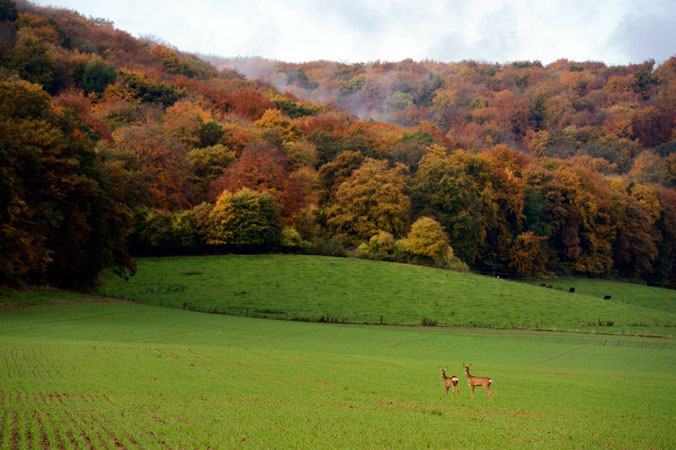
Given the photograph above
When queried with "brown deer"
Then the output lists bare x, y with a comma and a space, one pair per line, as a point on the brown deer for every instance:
449, 382
478, 381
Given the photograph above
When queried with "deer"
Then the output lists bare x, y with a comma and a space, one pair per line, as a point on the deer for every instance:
449, 382
478, 381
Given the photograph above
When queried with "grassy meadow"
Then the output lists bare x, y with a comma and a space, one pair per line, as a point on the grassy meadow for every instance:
629, 293
316, 288
79, 373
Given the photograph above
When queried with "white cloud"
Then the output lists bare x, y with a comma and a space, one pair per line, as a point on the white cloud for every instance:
614, 31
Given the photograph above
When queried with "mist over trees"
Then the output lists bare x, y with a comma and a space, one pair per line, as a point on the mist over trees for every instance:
112, 146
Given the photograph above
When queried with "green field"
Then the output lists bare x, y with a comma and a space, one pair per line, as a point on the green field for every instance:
125, 375
318, 288
637, 294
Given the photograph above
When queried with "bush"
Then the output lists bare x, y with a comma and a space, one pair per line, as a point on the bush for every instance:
291, 240
330, 247
382, 247
164, 231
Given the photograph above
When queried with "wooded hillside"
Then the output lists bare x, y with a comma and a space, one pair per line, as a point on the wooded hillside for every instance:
112, 144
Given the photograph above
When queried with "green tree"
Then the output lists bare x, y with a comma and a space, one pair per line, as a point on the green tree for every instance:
210, 134
32, 59
207, 164
8, 11
97, 75
442, 188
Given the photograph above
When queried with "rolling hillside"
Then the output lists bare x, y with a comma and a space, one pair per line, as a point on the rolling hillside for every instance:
347, 290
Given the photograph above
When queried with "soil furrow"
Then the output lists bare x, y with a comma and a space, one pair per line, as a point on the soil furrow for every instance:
57, 434
110, 434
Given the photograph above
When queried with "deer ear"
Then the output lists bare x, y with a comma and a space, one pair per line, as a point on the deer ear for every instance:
445, 368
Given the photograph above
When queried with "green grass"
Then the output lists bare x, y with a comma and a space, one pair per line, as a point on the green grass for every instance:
359, 291
104, 375
637, 294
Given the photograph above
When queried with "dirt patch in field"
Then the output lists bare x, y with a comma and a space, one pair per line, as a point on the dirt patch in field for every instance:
245, 366
59, 440
5, 307
527, 414
233, 363
560, 355
562, 374
318, 381
44, 440
155, 349
200, 355
15, 429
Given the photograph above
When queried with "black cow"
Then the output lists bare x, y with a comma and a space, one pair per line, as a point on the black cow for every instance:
571, 290
607, 297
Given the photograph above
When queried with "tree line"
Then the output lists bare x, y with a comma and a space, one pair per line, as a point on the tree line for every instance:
112, 146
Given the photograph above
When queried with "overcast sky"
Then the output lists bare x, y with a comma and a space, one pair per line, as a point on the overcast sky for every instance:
612, 31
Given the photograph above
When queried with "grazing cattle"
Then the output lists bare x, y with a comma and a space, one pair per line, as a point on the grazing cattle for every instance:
571, 290
543, 285
607, 297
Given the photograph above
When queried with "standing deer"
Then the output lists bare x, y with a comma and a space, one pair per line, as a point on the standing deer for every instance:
449, 382
478, 381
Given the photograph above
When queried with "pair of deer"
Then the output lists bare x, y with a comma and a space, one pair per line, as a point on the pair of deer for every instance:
452, 381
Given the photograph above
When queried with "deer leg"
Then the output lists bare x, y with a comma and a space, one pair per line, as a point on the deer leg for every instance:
472, 391
447, 391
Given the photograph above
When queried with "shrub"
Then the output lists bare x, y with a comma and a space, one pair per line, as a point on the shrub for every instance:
327, 247
291, 240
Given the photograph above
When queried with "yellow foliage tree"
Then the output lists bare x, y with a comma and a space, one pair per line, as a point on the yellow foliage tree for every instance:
427, 241
246, 218
372, 199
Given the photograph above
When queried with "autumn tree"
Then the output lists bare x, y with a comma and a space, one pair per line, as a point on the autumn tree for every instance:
634, 246
441, 188
428, 243
262, 167
333, 174
528, 255
164, 159
245, 219
371, 199
61, 223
